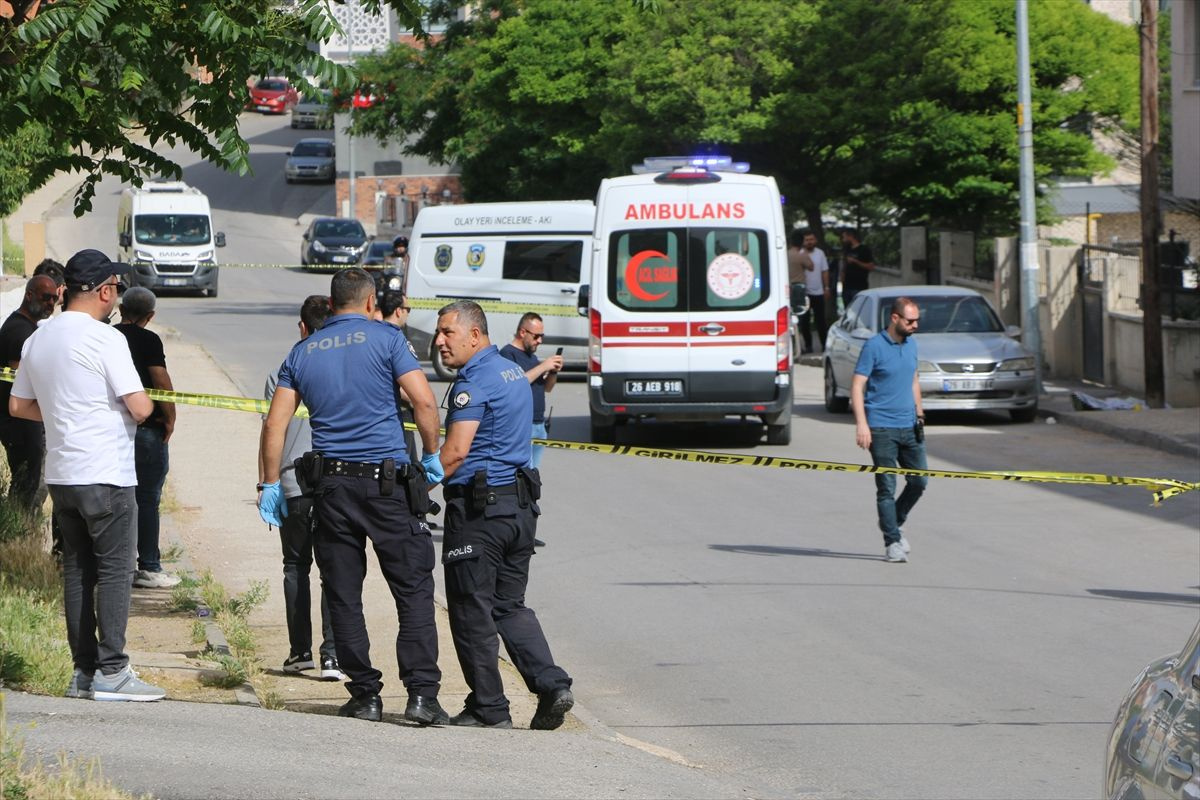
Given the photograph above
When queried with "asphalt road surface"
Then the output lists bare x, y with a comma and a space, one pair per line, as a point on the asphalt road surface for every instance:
743, 618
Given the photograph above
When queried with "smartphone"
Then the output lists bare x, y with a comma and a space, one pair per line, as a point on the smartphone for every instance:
558, 352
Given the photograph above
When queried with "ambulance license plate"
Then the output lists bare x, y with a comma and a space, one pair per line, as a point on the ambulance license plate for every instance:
967, 385
653, 387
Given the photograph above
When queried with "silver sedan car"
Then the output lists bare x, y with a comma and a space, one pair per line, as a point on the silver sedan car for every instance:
968, 359
310, 160
1154, 747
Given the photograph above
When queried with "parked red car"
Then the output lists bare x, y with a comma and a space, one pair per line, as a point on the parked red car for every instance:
273, 96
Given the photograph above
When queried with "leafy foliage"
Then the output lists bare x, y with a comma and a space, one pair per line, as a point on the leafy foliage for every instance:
98, 86
910, 103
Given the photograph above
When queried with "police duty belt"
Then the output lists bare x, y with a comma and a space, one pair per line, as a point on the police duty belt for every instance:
1162, 488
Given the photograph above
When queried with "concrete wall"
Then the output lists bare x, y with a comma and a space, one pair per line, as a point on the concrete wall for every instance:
1185, 100
1128, 227
1181, 358
1060, 311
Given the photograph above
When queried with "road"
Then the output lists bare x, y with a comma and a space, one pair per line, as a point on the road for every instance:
743, 618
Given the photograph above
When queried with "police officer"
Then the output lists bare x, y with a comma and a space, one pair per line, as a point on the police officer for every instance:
364, 487
491, 520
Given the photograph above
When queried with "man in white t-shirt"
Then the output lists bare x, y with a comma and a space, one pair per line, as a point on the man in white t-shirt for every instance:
78, 378
816, 281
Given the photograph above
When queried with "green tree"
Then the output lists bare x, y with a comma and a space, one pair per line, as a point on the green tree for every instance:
114, 80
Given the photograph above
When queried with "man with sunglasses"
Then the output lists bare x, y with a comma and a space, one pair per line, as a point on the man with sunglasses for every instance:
24, 440
78, 377
542, 373
885, 394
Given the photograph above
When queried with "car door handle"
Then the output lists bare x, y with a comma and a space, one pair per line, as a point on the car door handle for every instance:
569, 291
1176, 767
712, 329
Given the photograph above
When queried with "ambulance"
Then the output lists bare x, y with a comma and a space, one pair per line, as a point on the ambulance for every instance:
687, 301
529, 255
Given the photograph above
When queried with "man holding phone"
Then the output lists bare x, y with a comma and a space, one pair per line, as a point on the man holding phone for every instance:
541, 373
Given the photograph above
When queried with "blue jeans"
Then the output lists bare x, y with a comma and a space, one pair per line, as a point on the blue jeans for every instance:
150, 458
539, 432
97, 528
891, 447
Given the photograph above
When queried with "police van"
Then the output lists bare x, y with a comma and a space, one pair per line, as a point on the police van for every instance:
165, 230
532, 255
687, 302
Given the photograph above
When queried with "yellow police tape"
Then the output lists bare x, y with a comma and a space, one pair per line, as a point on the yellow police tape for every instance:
1162, 488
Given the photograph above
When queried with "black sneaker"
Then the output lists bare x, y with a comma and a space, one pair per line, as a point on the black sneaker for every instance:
552, 708
426, 711
467, 719
298, 662
330, 671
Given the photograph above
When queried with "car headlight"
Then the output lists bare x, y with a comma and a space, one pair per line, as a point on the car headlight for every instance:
926, 366
143, 255
318, 247
1015, 364
207, 255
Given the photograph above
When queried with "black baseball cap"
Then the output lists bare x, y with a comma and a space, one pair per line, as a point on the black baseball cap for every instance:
87, 269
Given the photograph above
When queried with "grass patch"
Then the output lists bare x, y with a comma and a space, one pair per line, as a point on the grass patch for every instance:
26, 779
199, 632
231, 614
171, 553
34, 655
14, 261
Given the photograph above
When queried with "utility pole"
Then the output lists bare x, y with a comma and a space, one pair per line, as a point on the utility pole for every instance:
1152, 347
1031, 330
350, 130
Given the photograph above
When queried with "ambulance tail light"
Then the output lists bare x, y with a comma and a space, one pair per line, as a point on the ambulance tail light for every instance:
783, 341
594, 347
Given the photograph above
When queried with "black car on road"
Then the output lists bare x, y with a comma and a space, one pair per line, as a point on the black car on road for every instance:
333, 241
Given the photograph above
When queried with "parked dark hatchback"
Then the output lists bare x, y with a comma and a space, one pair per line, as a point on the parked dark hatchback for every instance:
377, 254
333, 240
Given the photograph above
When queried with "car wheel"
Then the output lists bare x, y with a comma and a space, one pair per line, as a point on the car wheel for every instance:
442, 371
604, 430
1023, 414
833, 403
780, 434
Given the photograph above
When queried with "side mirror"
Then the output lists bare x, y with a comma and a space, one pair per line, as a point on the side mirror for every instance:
861, 333
219, 239
584, 300
125, 240
289, 152
1013, 331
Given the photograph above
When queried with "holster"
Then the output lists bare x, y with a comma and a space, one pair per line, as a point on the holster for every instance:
416, 490
387, 477
479, 490
529, 486
309, 468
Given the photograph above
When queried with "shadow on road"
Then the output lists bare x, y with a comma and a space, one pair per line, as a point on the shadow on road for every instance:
765, 550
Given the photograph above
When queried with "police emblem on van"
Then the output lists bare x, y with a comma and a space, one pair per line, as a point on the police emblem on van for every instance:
442, 257
475, 256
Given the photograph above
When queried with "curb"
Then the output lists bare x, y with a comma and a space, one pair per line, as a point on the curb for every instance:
1151, 439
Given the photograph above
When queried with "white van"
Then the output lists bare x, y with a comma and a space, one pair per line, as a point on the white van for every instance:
164, 229
529, 254
688, 298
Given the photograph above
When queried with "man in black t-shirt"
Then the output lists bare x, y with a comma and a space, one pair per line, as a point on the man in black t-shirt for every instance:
150, 441
24, 440
541, 373
857, 262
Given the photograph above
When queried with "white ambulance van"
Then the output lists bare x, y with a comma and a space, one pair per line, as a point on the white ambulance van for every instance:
531, 254
688, 298
165, 230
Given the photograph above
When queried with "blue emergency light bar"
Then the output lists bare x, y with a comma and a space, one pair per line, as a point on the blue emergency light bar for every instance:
711, 163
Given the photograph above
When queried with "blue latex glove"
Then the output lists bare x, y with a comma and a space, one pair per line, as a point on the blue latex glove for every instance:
434, 473
272, 506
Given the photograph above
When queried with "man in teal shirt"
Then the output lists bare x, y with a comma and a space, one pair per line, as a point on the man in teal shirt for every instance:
889, 421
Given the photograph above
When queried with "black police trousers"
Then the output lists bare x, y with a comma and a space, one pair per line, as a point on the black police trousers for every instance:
486, 557
346, 513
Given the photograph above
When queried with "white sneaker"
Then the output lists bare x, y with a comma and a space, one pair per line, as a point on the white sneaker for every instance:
904, 545
144, 579
895, 553
124, 685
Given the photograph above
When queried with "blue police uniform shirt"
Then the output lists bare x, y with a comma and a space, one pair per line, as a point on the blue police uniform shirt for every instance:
494, 391
346, 375
889, 368
527, 361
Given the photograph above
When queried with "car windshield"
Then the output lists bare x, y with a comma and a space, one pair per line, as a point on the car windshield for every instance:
314, 99
171, 229
311, 149
340, 228
271, 85
948, 314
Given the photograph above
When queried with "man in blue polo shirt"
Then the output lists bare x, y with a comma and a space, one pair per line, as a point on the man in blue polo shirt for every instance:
491, 521
364, 486
889, 421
